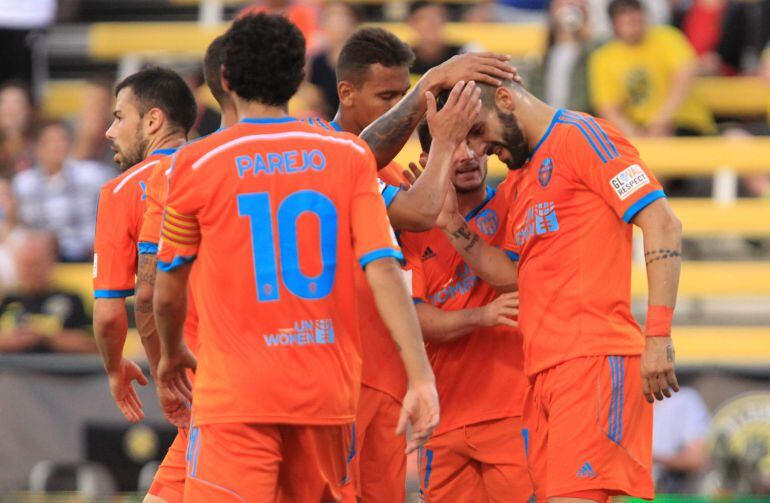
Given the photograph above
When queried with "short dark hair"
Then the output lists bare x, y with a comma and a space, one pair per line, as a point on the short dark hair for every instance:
158, 87
264, 58
212, 68
370, 46
420, 4
423, 133
616, 6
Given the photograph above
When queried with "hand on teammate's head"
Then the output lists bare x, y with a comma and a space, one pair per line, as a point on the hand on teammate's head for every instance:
482, 67
453, 122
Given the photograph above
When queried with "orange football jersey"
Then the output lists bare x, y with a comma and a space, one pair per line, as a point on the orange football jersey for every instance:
274, 212
479, 376
569, 224
122, 203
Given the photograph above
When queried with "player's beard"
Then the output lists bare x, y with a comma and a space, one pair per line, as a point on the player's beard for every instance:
513, 140
135, 154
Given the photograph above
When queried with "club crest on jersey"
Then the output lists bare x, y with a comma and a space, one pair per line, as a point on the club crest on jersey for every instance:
545, 172
487, 222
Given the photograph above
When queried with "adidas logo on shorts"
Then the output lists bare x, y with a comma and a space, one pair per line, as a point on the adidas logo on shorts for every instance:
586, 471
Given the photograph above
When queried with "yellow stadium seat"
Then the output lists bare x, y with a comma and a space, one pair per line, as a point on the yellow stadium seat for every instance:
713, 279
726, 346
739, 96
705, 218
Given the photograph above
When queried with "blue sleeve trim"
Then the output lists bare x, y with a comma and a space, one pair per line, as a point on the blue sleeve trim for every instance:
417, 301
147, 248
512, 255
642, 204
380, 254
389, 194
113, 294
177, 262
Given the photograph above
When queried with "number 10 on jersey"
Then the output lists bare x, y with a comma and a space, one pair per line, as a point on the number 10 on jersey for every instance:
267, 247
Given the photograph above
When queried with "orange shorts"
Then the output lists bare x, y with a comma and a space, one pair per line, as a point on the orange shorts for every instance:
482, 462
236, 462
168, 483
378, 466
590, 428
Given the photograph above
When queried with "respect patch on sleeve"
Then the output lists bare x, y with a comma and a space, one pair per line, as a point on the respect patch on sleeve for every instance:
629, 181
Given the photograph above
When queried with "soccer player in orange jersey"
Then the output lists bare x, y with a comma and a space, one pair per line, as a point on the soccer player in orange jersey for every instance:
373, 75
154, 110
168, 484
477, 453
578, 185
273, 213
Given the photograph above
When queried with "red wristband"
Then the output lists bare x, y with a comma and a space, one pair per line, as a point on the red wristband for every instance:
659, 319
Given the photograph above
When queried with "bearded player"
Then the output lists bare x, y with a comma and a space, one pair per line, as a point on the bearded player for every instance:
580, 184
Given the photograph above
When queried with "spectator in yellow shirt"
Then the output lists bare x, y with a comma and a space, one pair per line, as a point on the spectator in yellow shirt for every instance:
641, 80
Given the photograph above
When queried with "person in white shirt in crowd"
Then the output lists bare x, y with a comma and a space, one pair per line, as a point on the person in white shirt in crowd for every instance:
679, 448
59, 194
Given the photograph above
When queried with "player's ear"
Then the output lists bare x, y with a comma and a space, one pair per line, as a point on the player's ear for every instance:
154, 120
222, 80
504, 99
345, 91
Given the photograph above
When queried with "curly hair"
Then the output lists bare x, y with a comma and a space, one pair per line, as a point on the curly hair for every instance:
264, 58
370, 46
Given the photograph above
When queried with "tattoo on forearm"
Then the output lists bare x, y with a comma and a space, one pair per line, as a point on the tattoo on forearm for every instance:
390, 132
462, 232
472, 243
662, 254
670, 353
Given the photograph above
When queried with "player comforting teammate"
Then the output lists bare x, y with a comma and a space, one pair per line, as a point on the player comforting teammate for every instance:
303, 347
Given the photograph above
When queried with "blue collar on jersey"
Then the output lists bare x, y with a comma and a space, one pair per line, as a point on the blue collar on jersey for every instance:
268, 120
490, 194
547, 132
336, 126
164, 151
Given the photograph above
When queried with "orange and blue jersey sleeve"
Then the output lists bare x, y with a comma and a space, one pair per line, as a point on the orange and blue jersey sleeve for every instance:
609, 165
114, 272
180, 231
157, 188
388, 192
373, 237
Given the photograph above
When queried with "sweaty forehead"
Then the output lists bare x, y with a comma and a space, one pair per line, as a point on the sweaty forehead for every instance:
379, 78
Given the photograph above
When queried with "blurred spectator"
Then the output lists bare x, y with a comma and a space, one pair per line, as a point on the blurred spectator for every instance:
562, 78
745, 33
18, 19
302, 13
39, 317
60, 194
641, 80
338, 22
430, 47
658, 12
16, 122
679, 449
8, 230
94, 119
701, 23
508, 11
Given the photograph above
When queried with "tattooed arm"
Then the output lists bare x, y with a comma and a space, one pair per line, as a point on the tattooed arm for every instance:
662, 251
491, 264
145, 321
387, 135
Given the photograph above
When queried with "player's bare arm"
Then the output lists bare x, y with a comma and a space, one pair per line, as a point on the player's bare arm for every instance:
417, 209
145, 321
387, 135
110, 328
420, 404
491, 264
170, 307
439, 325
662, 251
